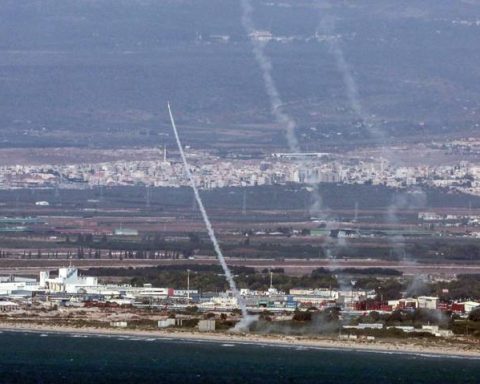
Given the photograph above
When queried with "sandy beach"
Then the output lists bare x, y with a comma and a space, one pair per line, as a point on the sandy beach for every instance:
417, 346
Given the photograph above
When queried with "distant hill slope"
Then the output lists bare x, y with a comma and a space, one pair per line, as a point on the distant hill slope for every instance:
99, 73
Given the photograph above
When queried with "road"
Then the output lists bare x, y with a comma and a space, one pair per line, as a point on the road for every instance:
291, 266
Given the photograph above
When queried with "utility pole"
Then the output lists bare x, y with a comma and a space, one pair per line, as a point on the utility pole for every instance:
147, 196
188, 285
58, 184
353, 286
244, 203
194, 204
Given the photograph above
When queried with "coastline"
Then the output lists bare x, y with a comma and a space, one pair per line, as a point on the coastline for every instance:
411, 347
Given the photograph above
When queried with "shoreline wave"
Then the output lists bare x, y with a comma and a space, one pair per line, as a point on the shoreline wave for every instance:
228, 339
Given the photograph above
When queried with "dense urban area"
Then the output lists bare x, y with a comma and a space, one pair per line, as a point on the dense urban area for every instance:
213, 171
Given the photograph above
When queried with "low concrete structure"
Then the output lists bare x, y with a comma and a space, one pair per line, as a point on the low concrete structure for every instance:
166, 323
404, 328
206, 325
365, 326
435, 330
119, 324
6, 306
432, 329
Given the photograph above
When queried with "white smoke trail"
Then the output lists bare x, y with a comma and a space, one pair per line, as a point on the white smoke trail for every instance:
280, 115
327, 26
401, 202
246, 319
276, 104
266, 68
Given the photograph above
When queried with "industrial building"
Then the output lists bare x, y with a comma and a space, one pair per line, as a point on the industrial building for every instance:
13, 285
69, 288
67, 281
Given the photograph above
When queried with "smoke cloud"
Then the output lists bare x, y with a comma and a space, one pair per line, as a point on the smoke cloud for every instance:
417, 286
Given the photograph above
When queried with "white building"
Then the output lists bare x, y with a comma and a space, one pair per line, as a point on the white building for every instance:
427, 302
68, 281
221, 302
12, 283
470, 306
185, 292
149, 291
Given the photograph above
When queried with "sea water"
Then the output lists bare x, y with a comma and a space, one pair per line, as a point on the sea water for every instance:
60, 358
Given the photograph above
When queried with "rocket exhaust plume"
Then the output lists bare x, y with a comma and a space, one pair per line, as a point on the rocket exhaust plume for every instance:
327, 26
276, 104
246, 319
266, 67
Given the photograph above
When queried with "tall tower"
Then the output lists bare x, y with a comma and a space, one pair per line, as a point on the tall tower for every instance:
147, 196
58, 184
188, 286
244, 203
194, 204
